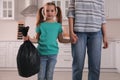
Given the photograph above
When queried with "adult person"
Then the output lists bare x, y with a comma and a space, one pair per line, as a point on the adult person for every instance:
87, 27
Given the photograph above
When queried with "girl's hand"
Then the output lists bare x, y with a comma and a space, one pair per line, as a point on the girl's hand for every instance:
73, 38
105, 43
25, 38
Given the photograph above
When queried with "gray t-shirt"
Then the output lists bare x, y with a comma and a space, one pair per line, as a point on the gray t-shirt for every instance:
89, 15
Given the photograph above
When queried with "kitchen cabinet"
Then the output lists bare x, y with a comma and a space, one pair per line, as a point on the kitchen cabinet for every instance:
12, 53
9, 49
3, 54
117, 56
11, 9
64, 57
8, 52
108, 56
7, 9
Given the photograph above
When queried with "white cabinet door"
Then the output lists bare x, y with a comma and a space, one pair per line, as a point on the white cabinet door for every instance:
9, 50
65, 49
3, 54
108, 56
12, 54
64, 59
117, 57
8, 53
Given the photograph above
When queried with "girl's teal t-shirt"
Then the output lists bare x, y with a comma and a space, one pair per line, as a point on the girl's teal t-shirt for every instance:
47, 43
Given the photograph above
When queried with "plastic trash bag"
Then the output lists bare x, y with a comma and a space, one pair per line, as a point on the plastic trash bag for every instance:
28, 59
24, 30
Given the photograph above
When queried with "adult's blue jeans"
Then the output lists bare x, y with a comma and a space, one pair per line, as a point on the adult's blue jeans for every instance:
47, 65
90, 42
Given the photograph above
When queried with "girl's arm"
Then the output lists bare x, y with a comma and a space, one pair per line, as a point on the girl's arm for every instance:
73, 36
62, 40
105, 41
34, 40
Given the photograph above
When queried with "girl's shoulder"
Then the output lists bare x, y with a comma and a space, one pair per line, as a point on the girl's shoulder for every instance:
58, 23
42, 23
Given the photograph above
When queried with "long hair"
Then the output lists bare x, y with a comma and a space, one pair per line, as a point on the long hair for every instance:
59, 15
40, 16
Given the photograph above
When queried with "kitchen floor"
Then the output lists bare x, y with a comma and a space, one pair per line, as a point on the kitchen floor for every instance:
59, 75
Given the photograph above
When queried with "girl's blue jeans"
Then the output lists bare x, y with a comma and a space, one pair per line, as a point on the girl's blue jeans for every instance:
47, 65
90, 42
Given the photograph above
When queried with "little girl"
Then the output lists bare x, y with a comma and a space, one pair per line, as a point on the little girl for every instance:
48, 30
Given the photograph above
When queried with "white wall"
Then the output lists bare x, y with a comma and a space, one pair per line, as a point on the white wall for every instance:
31, 22
8, 30
113, 29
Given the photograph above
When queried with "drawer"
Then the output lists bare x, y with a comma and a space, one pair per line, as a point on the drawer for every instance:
2, 61
64, 45
64, 61
64, 52
3, 44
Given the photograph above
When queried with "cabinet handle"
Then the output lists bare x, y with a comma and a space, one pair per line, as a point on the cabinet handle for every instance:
67, 51
67, 60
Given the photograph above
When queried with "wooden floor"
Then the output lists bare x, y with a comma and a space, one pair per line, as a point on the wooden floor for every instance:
59, 75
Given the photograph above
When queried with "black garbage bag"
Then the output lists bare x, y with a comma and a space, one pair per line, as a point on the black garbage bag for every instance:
24, 30
28, 59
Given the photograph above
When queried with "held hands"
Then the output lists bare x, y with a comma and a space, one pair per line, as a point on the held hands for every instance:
73, 38
34, 40
25, 38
